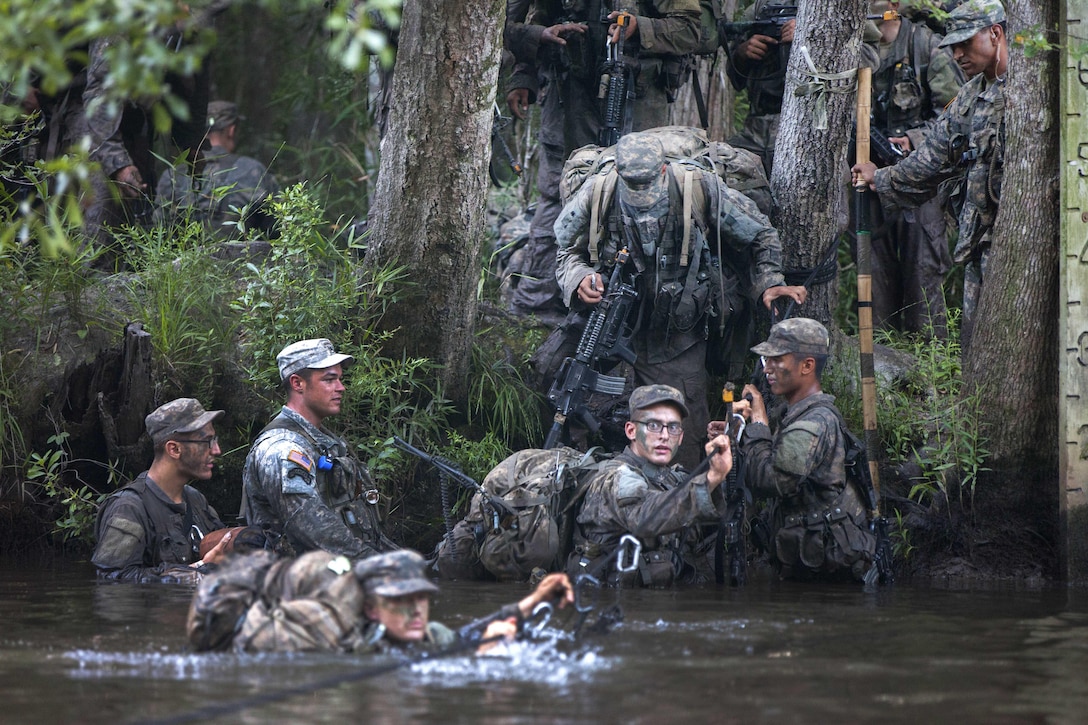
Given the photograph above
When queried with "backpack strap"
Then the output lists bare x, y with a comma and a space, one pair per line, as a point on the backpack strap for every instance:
604, 187
685, 244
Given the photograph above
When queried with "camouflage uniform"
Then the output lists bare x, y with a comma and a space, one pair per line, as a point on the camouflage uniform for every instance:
915, 81
765, 82
964, 147
819, 523
144, 536
565, 80
676, 305
288, 489
633, 496
227, 184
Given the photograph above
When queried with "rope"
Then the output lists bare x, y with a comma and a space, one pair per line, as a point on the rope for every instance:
822, 84
366, 673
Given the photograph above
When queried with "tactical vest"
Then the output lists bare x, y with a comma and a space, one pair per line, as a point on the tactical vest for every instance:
174, 538
342, 482
978, 147
903, 98
674, 269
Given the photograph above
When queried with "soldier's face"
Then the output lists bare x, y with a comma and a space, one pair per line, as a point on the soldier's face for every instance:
405, 618
978, 54
657, 448
782, 373
198, 451
323, 391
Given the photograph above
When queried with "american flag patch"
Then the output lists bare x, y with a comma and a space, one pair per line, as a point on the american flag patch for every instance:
301, 459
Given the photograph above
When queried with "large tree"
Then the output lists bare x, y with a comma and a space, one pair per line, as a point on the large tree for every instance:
428, 212
1013, 352
811, 173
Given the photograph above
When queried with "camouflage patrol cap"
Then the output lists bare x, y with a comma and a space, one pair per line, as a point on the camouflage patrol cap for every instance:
222, 115
316, 354
649, 395
797, 335
184, 415
394, 574
971, 17
640, 162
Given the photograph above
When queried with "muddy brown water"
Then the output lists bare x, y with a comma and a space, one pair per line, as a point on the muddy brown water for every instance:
73, 650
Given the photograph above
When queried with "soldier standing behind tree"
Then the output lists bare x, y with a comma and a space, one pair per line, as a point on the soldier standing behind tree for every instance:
965, 146
916, 79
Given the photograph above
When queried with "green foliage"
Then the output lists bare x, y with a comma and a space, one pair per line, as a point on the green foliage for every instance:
933, 420
310, 287
509, 407
476, 458
1034, 40
900, 537
181, 294
78, 504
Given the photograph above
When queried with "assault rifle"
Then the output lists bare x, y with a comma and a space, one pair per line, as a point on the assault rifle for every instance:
615, 86
607, 336
730, 540
884, 152
858, 470
769, 22
496, 505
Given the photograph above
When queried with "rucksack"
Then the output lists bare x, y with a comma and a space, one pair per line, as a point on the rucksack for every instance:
689, 151
540, 489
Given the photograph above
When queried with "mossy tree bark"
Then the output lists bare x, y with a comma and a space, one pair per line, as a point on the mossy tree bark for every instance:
428, 212
811, 173
1013, 352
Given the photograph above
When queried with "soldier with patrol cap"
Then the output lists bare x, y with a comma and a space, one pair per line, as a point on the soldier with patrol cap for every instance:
225, 191
964, 146
639, 493
151, 529
300, 480
323, 602
686, 280
820, 525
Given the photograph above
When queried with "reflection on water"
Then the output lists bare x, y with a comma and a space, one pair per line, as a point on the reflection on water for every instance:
75, 650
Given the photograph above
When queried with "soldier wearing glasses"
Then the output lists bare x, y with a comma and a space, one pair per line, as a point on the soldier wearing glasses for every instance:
150, 530
300, 480
639, 493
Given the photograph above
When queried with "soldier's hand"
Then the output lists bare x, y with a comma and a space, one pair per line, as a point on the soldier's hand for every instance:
614, 28
751, 405
902, 142
552, 588
863, 173
798, 293
591, 288
557, 34
721, 460
505, 628
517, 101
129, 182
756, 47
788, 30
716, 428
217, 552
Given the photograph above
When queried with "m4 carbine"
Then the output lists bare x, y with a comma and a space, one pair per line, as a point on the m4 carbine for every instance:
615, 87
769, 22
607, 337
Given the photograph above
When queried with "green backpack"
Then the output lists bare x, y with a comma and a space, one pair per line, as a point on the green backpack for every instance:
540, 489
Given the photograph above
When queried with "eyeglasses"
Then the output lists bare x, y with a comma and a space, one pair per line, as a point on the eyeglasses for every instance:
209, 442
656, 426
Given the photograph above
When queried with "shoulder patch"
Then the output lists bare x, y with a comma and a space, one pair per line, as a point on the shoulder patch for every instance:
300, 459
795, 446
630, 487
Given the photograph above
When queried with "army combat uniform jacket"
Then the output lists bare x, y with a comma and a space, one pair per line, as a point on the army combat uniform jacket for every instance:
632, 496
300, 481
966, 145
821, 527
227, 185
144, 536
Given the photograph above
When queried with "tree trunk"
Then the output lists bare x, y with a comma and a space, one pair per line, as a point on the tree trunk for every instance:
1013, 352
811, 174
429, 204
